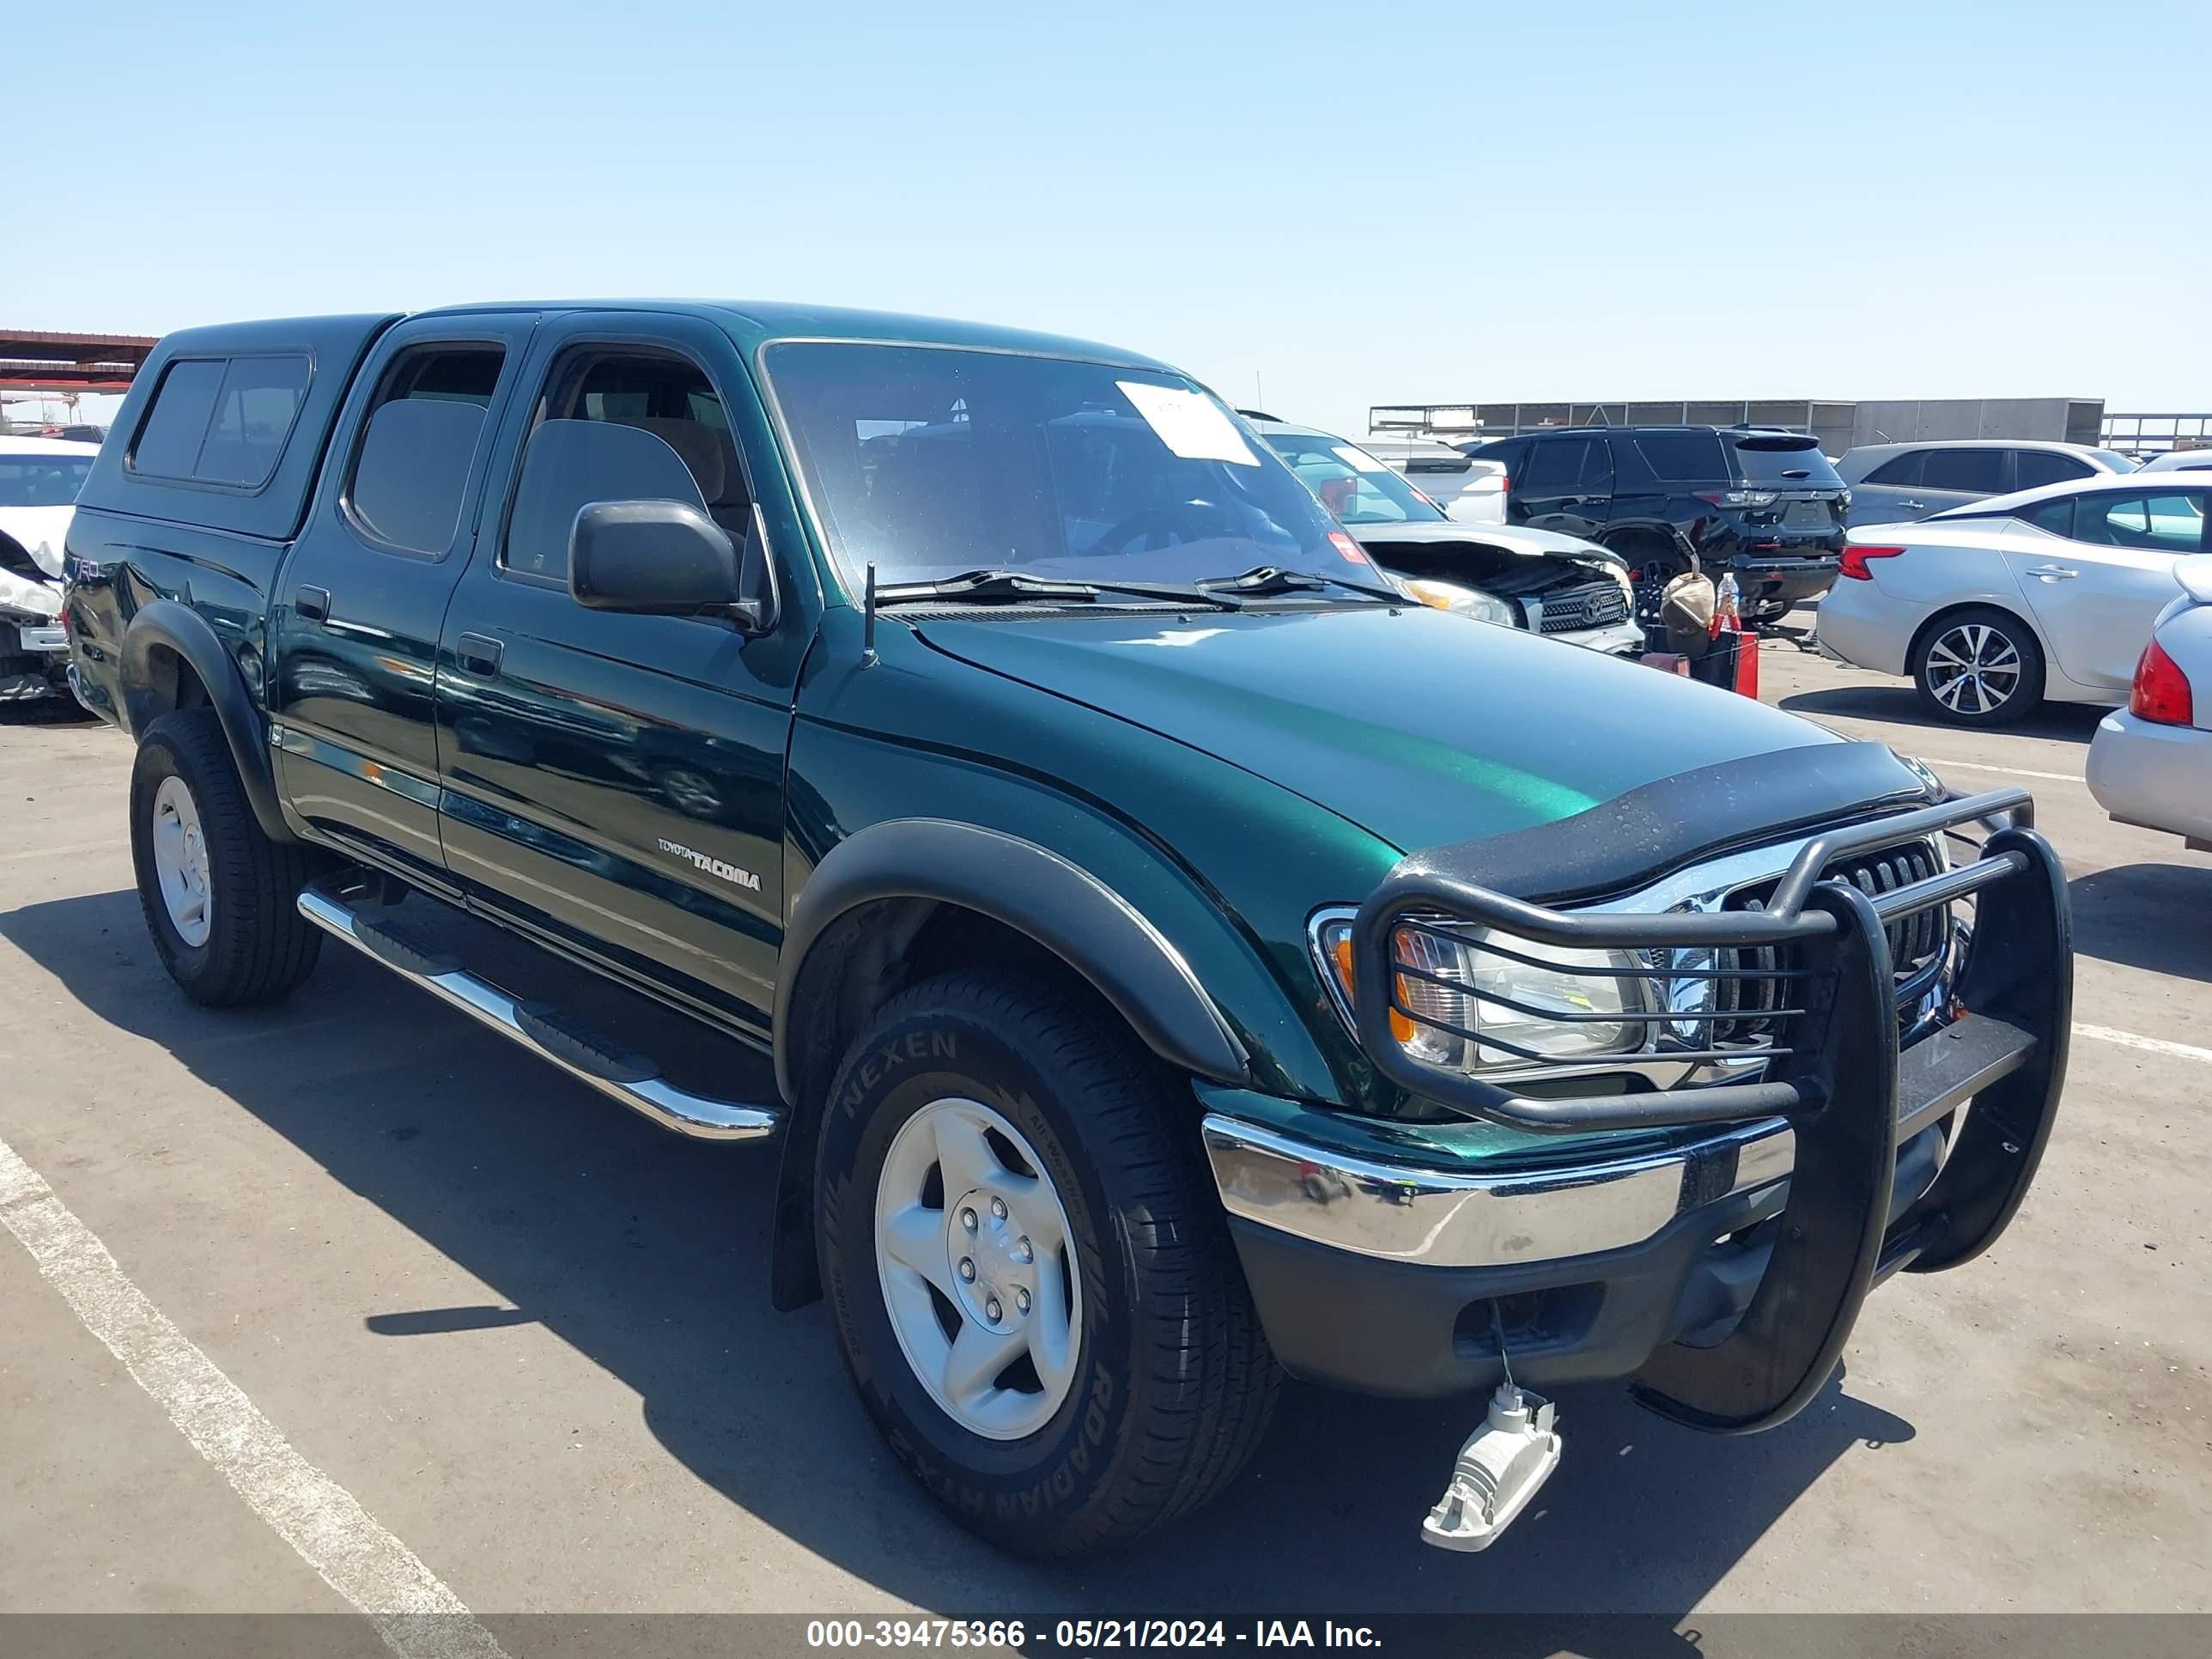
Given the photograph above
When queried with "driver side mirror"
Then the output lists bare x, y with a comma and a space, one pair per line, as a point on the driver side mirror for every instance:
657, 558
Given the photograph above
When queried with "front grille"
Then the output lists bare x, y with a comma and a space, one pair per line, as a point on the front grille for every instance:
1914, 941
1918, 943
1593, 604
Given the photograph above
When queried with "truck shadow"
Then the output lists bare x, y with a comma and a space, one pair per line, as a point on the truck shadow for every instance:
647, 1254
1899, 704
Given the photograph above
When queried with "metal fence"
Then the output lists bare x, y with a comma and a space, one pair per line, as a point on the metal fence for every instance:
2155, 435
1840, 424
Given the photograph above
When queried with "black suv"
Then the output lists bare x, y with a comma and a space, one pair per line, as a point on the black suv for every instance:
1763, 502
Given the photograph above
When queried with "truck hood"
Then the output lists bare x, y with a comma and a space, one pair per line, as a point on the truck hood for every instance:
1420, 726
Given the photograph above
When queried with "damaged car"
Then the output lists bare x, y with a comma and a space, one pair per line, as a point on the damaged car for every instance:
39, 478
1538, 580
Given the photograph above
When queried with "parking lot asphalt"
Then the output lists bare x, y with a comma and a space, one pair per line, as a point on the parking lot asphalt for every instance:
528, 1335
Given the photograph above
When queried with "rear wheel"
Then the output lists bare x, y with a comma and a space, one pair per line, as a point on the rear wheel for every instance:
1033, 1283
1978, 667
218, 895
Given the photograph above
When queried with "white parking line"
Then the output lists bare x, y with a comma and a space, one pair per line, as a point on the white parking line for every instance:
2009, 771
2148, 1045
418, 1616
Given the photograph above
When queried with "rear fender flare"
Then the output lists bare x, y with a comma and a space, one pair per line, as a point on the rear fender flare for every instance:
178, 627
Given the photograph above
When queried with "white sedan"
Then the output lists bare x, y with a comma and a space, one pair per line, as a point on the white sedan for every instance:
39, 478
2150, 764
1992, 607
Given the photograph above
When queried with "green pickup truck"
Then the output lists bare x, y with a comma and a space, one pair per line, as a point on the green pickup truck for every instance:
1184, 960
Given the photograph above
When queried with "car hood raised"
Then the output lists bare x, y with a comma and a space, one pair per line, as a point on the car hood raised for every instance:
1420, 726
1515, 538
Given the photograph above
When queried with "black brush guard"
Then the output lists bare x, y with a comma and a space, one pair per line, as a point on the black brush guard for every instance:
1836, 1072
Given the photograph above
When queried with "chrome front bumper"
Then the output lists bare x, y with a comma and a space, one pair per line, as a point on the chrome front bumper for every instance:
1428, 1218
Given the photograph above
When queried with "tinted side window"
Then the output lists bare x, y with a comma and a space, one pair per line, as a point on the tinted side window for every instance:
1899, 470
169, 437
2057, 517
1683, 457
412, 469
221, 421
1554, 466
1597, 468
253, 415
2155, 523
2032, 467
1979, 469
1512, 454
567, 466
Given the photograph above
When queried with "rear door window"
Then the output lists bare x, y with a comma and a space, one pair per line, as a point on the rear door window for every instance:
1980, 471
2154, 522
1597, 468
1899, 469
2032, 468
411, 472
2057, 517
1554, 466
1683, 457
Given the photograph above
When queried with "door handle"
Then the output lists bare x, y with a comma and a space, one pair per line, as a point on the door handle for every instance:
2053, 573
1913, 507
479, 654
313, 603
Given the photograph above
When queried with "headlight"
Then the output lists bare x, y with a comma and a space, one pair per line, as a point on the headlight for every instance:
1463, 601
36, 598
1513, 1002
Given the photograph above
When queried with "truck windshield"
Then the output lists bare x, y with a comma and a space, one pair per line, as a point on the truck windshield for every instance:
929, 463
41, 480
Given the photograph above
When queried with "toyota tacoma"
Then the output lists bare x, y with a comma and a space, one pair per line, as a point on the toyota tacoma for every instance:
1184, 960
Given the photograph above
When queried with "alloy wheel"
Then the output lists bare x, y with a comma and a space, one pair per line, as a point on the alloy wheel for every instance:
978, 1268
1973, 669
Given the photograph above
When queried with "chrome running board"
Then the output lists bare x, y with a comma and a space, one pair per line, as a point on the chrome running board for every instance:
632, 1079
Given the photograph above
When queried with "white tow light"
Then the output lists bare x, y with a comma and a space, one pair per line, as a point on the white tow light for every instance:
1498, 1471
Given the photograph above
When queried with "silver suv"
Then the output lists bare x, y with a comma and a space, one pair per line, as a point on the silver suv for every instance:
1893, 483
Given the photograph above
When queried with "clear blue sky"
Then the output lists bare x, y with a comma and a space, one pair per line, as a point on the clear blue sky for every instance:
1357, 203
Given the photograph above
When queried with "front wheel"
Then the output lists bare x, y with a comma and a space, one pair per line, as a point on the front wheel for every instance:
1033, 1283
1979, 667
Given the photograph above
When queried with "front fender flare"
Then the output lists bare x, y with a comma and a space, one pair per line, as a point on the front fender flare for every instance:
1036, 892
185, 631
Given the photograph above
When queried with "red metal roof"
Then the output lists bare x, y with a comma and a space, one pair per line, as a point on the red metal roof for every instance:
46, 360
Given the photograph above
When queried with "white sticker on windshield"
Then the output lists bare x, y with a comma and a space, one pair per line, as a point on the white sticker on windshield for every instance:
1358, 459
1189, 423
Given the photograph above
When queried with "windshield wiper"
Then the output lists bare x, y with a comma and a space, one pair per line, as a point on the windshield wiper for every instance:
1019, 584
1265, 579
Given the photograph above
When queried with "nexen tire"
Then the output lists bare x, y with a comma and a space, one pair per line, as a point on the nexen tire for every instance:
1173, 1382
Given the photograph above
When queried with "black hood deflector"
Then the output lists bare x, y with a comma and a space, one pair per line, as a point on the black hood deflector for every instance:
1636, 838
